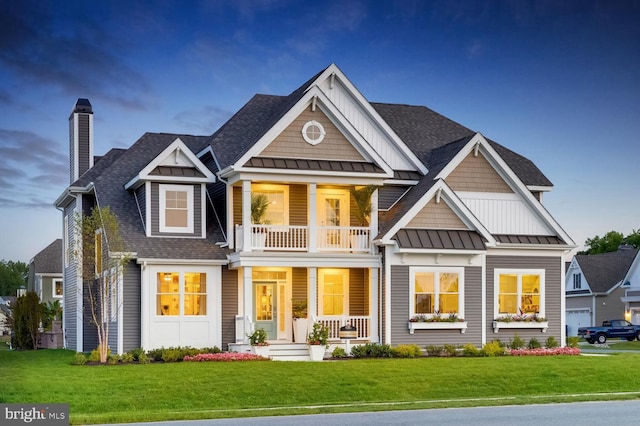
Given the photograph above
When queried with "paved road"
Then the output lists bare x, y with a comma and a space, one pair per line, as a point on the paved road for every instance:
618, 413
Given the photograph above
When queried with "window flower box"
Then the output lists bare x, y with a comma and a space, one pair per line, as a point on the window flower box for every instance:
437, 325
542, 325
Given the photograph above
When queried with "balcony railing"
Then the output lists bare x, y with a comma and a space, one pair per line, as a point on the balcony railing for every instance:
296, 238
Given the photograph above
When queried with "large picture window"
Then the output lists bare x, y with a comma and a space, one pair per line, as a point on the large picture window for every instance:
436, 291
181, 293
519, 292
278, 195
176, 208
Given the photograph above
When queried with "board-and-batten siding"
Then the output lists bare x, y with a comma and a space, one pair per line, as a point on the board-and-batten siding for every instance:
475, 174
229, 306
436, 216
400, 299
553, 294
363, 124
155, 212
290, 143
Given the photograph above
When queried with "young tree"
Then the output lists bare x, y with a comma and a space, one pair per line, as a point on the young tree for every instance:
24, 322
100, 250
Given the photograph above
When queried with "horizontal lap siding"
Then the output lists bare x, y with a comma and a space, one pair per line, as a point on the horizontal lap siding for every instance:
299, 284
229, 306
131, 314
358, 303
70, 286
554, 292
400, 300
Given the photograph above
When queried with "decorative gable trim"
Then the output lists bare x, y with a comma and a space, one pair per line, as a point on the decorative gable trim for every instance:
315, 96
585, 289
479, 145
176, 155
440, 192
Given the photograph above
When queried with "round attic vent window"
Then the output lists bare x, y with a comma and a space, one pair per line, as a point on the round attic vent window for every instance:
313, 132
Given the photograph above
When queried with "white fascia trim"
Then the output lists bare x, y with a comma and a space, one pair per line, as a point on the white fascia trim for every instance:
70, 193
535, 188
505, 171
332, 113
151, 261
144, 174
451, 199
355, 93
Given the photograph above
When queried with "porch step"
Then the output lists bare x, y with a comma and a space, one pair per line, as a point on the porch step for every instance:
288, 351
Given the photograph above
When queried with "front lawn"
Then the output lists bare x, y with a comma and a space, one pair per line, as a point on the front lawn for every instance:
174, 391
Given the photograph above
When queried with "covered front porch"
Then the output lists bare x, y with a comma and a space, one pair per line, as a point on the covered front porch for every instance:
332, 296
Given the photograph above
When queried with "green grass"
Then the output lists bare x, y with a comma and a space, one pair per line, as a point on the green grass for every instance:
130, 393
4, 343
616, 345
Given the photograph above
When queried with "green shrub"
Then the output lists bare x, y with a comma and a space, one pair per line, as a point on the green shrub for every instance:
135, 353
433, 350
470, 350
213, 350
94, 356
551, 342
407, 351
172, 355
113, 359
338, 353
126, 357
516, 342
534, 344
572, 341
143, 358
493, 348
155, 354
372, 350
450, 350
79, 359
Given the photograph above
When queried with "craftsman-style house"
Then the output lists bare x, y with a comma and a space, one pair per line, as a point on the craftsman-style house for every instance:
382, 216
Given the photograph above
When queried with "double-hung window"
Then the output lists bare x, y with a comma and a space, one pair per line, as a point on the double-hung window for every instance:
176, 208
519, 292
436, 291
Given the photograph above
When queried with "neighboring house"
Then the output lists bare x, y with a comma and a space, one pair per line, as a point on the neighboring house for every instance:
631, 284
5, 312
45, 273
596, 286
456, 227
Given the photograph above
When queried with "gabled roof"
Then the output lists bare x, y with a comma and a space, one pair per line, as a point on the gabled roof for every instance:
109, 189
605, 271
48, 260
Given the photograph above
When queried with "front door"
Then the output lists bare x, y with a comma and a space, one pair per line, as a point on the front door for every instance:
266, 307
333, 217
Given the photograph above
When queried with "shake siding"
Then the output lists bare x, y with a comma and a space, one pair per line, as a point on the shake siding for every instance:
290, 143
400, 300
554, 293
389, 195
131, 315
436, 216
155, 213
475, 174
229, 306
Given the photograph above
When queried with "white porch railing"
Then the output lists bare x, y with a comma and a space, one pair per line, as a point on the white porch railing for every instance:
361, 323
296, 238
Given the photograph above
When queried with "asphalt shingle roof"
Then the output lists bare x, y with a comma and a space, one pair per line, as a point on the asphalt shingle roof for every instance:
49, 259
603, 271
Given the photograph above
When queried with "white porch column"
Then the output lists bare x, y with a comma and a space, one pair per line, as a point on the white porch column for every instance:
231, 231
246, 215
387, 295
312, 302
247, 299
373, 222
313, 221
373, 304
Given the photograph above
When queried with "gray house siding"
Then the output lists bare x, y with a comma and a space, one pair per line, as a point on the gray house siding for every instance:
70, 282
400, 300
229, 305
554, 292
155, 212
140, 196
131, 315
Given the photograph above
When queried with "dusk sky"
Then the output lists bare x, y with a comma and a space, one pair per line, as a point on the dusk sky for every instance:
555, 81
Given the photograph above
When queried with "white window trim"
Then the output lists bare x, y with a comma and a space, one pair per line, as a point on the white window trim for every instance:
437, 271
53, 288
162, 189
577, 277
345, 303
305, 134
519, 273
267, 187
181, 291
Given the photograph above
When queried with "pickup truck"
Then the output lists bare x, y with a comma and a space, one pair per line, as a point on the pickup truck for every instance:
610, 330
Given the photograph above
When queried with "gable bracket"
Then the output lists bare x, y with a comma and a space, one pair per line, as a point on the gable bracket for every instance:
476, 148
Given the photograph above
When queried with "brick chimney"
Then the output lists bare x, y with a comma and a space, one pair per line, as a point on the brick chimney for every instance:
80, 139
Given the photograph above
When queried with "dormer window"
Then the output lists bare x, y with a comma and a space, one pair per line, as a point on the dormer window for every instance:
176, 208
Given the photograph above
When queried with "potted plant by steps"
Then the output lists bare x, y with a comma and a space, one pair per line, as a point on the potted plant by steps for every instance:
362, 213
258, 341
317, 341
300, 321
259, 205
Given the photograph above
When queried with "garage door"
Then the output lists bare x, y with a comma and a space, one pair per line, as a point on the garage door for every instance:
577, 318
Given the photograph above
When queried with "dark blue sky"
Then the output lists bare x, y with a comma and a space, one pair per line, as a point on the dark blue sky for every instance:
556, 81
